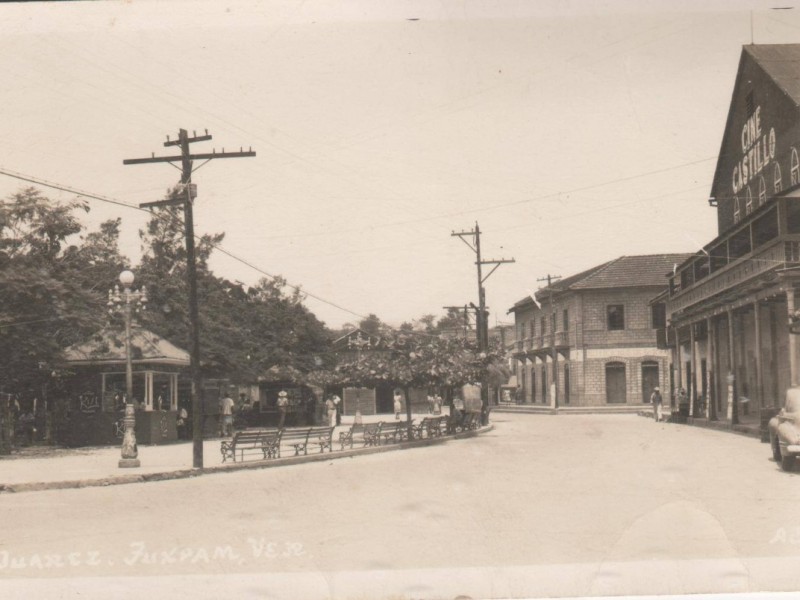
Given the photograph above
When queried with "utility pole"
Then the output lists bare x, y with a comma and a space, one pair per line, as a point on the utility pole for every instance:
465, 309
550, 279
183, 195
482, 317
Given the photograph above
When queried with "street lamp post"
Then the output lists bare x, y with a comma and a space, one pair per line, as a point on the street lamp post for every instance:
127, 301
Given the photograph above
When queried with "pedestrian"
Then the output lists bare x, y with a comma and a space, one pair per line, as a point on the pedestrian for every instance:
181, 423
226, 409
283, 407
657, 402
398, 404
338, 402
430, 404
437, 404
330, 406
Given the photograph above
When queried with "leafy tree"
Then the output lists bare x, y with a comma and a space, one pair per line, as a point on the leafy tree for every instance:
49, 294
420, 361
244, 331
371, 325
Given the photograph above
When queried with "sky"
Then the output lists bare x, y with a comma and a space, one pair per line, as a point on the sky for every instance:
571, 132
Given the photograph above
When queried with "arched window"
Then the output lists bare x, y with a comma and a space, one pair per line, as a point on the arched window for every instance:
616, 389
748, 204
777, 179
737, 211
795, 172
762, 191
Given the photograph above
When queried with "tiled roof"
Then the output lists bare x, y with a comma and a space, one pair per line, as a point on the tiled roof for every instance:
782, 63
109, 347
649, 270
632, 271
626, 271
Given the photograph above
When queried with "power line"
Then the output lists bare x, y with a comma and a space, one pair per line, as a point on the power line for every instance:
173, 218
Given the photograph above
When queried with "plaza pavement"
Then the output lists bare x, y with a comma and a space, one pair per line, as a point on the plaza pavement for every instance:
40, 467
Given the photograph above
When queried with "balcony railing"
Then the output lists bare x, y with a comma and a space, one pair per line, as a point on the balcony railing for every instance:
771, 256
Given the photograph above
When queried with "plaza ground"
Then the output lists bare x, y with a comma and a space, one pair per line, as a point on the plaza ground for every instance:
539, 506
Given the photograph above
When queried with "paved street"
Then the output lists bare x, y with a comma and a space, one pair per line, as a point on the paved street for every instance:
542, 505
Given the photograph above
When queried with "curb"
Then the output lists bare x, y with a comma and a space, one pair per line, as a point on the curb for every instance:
721, 426
233, 467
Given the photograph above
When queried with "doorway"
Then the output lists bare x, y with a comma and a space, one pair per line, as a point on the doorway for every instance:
650, 379
616, 391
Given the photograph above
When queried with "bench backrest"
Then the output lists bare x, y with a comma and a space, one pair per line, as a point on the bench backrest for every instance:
295, 434
319, 432
254, 436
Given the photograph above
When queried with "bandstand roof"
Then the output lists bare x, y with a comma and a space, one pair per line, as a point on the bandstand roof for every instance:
108, 347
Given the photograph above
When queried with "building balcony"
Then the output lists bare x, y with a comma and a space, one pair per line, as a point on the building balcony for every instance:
778, 253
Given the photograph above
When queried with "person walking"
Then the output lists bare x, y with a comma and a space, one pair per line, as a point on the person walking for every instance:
226, 409
283, 407
657, 401
338, 402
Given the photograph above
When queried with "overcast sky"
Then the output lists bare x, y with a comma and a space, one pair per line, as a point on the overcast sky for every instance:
572, 132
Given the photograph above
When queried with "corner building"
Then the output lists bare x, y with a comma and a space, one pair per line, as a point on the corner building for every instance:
598, 334
729, 306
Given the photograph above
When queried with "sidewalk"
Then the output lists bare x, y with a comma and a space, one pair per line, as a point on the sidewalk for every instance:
41, 467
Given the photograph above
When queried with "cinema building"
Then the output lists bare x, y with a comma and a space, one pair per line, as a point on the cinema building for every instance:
729, 306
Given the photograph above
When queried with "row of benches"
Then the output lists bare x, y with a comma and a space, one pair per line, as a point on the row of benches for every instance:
268, 442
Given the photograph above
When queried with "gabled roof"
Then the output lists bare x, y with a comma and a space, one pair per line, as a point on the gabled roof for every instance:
649, 270
108, 347
782, 63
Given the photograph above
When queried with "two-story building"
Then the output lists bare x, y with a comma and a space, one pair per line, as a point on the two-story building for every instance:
594, 335
730, 306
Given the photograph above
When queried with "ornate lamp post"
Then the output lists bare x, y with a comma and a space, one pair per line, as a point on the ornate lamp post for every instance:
127, 301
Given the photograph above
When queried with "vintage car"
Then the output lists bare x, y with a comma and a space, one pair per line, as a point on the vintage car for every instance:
784, 431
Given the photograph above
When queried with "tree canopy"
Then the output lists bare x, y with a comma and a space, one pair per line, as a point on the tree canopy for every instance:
54, 277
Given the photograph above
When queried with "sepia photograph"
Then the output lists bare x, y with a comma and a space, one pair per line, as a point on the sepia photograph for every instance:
399, 299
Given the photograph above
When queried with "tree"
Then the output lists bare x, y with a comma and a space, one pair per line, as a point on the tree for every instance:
49, 297
244, 331
420, 361
371, 325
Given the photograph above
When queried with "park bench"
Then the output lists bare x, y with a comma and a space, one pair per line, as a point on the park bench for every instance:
355, 433
472, 420
321, 437
429, 426
464, 422
265, 441
393, 431
454, 422
372, 434
299, 438
441, 425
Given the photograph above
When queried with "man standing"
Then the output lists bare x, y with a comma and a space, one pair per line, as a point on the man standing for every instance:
338, 402
330, 406
283, 407
226, 409
657, 402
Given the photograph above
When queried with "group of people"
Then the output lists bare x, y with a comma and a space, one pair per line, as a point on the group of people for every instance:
434, 404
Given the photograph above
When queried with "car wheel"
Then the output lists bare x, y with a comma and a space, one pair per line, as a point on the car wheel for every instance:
787, 463
776, 450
